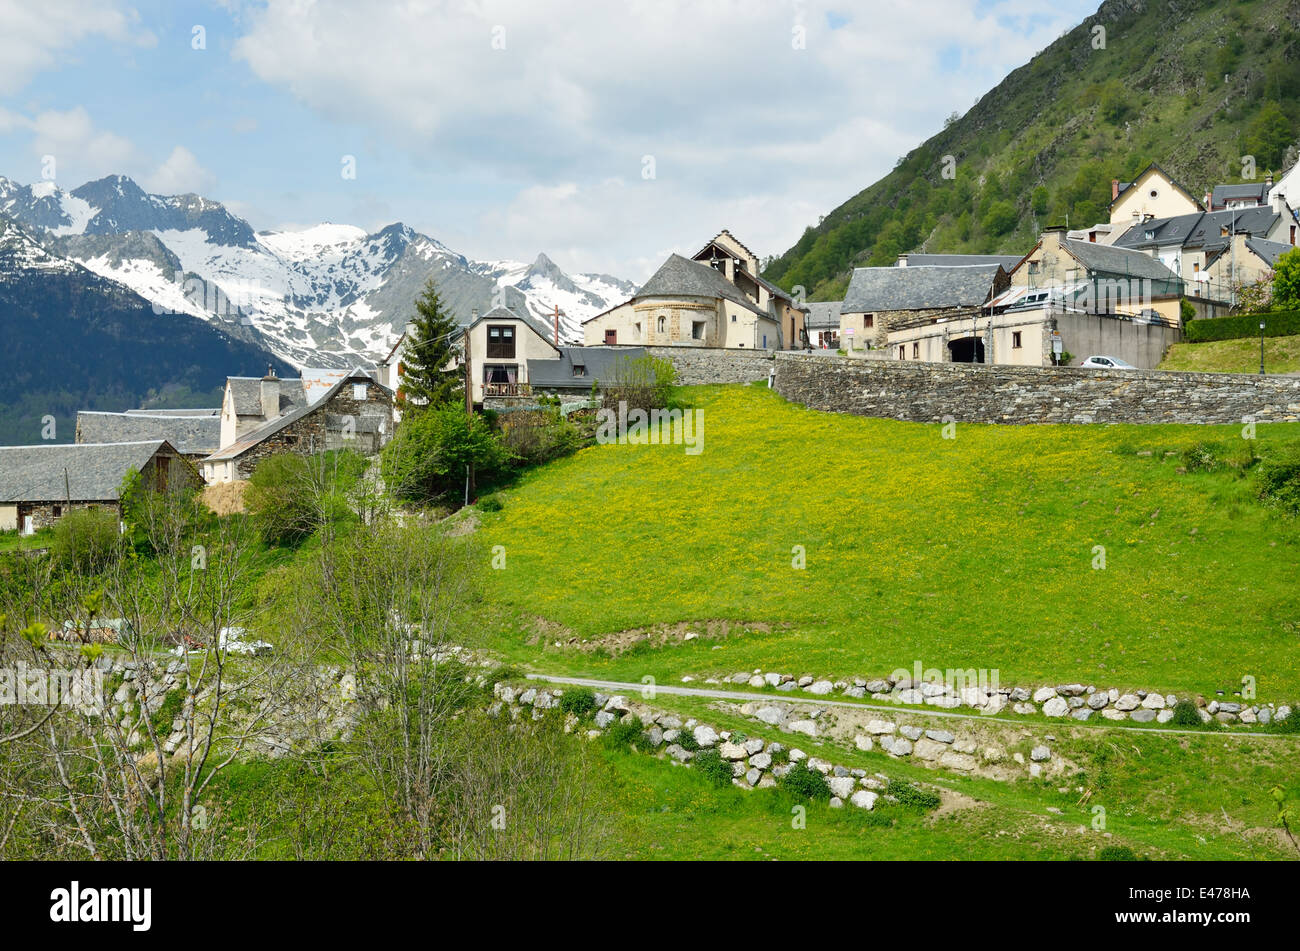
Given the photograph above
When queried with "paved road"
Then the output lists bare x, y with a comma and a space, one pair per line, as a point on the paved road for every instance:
714, 693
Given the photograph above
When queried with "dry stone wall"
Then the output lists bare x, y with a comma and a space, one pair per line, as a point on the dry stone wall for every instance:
943, 392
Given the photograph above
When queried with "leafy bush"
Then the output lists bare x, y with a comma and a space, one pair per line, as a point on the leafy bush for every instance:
1186, 714
430, 454
1117, 853
291, 496
716, 769
85, 539
1200, 457
625, 732
805, 783
534, 437
642, 383
490, 504
1279, 480
581, 702
686, 740
1282, 323
912, 797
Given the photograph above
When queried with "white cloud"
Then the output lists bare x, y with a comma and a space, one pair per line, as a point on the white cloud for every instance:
78, 147
747, 132
36, 35
180, 173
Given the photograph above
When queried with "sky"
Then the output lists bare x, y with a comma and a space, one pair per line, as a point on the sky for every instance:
606, 134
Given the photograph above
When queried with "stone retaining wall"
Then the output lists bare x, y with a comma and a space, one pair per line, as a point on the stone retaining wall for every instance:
942, 392
700, 365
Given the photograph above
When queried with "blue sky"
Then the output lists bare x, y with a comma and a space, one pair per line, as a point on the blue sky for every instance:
506, 128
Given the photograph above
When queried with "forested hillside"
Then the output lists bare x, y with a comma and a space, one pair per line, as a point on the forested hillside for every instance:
1193, 85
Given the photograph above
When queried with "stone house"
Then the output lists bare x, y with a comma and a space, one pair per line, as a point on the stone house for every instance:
715, 299
355, 412
577, 368
823, 323
40, 484
1065, 296
881, 301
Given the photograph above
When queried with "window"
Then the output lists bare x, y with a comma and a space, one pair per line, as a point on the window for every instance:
661, 324
916, 350
868, 321
579, 370
638, 331
611, 337
57, 510
697, 330
1015, 340
501, 342
1034, 267
733, 318
358, 391
1154, 193
902, 355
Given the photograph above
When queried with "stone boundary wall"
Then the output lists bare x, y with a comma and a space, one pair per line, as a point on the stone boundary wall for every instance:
699, 365
929, 392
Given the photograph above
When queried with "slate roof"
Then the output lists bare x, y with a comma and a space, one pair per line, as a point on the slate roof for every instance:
598, 362
1270, 251
1251, 191
918, 288
246, 391
1199, 229
94, 470
206, 411
191, 435
680, 277
1008, 261
824, 315
266, 430
1107, 259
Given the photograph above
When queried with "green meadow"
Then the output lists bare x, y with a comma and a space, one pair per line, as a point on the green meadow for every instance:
1126, 556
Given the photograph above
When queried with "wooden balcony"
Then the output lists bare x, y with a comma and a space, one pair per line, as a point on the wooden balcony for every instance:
506, 389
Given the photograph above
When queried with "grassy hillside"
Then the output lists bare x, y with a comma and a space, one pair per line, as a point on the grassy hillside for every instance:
1281, 355
973, 552
1046, 142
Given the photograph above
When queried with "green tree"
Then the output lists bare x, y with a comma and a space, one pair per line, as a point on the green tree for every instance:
429, 377
1001, 218
85, 539
1268, 135
1286, 281
429, 456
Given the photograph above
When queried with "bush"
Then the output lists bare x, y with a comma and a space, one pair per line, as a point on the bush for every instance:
534, 437
86, 539
1200, 457
581, 702
1186, 714
280, 499
805, 783
624, 733
1279, 480
686, 740
1117, 853
429, 456
490, 504
644, 383
912, 797
1284, 323
716, 769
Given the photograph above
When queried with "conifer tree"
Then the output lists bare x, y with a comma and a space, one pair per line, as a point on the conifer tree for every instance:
429, 375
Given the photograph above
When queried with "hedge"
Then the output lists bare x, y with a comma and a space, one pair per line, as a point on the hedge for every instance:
1278, 324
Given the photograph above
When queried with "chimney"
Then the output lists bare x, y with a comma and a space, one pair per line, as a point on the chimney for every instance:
902, 260
270, 395
1052, 238
1114, 188
1209, 201
1278, 201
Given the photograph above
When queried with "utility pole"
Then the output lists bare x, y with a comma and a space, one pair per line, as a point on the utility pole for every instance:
469, 413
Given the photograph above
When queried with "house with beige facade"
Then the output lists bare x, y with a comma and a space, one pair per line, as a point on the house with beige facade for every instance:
714, 299
1153, 194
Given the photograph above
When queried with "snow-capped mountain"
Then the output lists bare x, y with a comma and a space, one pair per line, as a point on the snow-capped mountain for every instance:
328, 295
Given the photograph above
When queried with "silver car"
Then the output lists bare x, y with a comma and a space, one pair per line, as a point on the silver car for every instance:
1107, 363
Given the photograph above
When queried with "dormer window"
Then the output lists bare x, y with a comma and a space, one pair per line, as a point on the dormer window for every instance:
501, 342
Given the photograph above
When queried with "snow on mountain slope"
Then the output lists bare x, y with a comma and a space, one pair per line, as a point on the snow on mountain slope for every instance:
325, 295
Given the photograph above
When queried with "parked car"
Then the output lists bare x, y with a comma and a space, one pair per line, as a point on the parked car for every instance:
1107, 363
